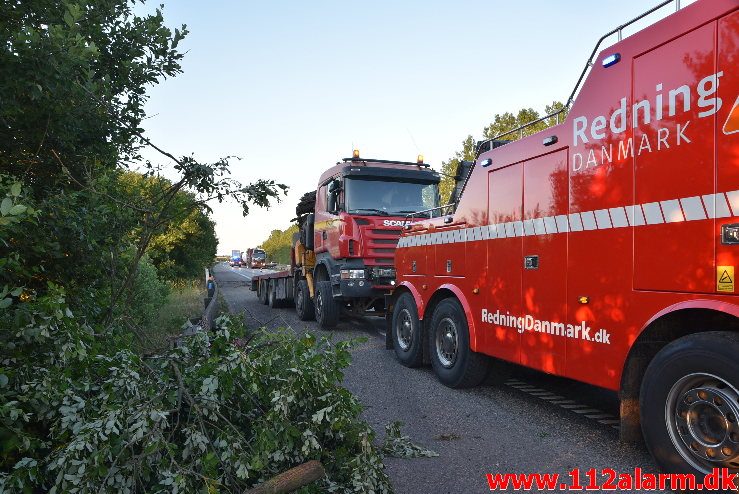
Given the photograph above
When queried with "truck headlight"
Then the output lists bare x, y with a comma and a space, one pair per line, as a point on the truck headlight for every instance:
352, 274
385, 272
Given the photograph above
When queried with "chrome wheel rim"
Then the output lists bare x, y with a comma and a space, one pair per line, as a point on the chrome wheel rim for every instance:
702, 417
299, 300
447, 343
319, 305
404, 330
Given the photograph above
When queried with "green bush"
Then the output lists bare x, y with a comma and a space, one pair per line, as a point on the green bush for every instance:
214, 415
148, 294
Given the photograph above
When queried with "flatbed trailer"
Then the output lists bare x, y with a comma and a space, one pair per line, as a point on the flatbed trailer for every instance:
275, 289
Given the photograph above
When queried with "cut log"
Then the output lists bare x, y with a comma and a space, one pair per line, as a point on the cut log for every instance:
291, 480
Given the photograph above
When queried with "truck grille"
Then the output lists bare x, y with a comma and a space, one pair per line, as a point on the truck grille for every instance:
380, 245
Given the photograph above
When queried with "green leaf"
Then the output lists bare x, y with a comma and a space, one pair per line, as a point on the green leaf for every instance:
3, 380
6, 205
17, 209
15, 189
5, 303
17, 292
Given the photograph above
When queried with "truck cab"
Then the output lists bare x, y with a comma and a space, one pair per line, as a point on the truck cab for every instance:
342, 259
258, 259
360, 212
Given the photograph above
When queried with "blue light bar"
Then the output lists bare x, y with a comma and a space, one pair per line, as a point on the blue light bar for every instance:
611, 60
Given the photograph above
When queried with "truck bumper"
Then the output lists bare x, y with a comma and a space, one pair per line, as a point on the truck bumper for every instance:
362, 289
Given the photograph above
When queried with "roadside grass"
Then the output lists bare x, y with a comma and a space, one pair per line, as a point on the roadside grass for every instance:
184, 301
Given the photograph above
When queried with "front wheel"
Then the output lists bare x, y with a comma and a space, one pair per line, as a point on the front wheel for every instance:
690, 404
406, 331
303, 303
327, 309
454, 363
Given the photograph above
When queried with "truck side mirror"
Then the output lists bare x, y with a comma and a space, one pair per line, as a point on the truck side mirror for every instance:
333, 202
334, 187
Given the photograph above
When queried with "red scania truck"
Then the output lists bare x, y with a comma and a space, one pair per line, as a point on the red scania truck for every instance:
342, 259
603, 249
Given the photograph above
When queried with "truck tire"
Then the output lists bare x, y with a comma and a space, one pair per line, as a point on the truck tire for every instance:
327, 309
406, 331
303, 303
454, 363
690, 404
274, 302
262, 291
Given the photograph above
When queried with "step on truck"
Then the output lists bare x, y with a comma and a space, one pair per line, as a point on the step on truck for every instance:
605, 248
342, 259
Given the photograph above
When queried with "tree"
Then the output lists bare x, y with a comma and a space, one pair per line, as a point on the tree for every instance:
80, 410
279, 243
449, 167
502, 124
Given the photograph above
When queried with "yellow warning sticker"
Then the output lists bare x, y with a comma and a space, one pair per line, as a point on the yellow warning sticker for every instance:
725, 279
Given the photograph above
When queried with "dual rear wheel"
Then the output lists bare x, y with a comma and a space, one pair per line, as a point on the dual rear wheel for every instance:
447, 342
689, 398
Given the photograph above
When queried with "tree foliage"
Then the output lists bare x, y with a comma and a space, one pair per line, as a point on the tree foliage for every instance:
84, 245
502, 124
278, 244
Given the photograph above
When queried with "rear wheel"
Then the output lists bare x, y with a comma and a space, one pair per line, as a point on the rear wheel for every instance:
274, 303
406, 328
327, 309
262, 291
690, 404
454, 363
303, 303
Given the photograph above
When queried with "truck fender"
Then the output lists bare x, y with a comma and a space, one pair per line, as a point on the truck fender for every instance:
715, 305
467, 312
420, 305
635, 364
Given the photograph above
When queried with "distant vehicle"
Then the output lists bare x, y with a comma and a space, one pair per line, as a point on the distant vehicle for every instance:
235, 260
258, 259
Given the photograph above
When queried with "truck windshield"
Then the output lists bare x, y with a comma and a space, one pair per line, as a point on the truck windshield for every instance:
259, 254
387, 198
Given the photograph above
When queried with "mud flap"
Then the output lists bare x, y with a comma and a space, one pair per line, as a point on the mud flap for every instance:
389, 322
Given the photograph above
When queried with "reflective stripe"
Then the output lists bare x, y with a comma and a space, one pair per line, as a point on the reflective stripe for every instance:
672, 211
693, 208
550, 225
618, 216
653, 213
603, 219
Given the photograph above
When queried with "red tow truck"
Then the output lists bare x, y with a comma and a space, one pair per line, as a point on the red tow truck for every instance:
342, 258
605, 248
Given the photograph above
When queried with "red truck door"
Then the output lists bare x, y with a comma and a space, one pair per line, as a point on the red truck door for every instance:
544, 288
674, 183
727, 136
504, 258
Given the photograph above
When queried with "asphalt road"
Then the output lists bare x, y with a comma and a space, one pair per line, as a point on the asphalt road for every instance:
533, 424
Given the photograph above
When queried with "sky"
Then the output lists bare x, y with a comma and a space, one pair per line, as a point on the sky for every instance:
291, 87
